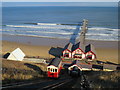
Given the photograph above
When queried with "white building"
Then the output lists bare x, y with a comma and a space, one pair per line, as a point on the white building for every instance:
17, 55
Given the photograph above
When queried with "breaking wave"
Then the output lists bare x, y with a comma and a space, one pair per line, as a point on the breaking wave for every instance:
52, 30
70, 24
46, 27
100, 28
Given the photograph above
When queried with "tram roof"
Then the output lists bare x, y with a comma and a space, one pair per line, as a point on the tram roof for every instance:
55, 61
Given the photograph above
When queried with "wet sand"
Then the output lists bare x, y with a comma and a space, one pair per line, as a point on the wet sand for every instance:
37, 46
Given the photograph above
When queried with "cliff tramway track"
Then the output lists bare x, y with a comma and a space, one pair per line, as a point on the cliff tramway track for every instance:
38, 85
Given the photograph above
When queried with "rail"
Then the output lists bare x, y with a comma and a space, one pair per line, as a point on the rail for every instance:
85, 83
39, 85
22, 84
56, 85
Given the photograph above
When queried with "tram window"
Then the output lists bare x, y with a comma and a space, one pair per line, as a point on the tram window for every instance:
48, 69
55, 70
51, 69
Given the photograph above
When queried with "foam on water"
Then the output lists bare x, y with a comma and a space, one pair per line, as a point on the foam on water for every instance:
46, 24
51, 30
43, 26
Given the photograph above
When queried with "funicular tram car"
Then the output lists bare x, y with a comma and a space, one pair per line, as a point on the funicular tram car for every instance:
54, 67
74, 69
78, 66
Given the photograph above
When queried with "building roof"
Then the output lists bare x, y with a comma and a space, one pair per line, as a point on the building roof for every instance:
82, 41
90, 47
74, 62
68, 46
17, 54
55, 61
78, 45
75, 46
81, 64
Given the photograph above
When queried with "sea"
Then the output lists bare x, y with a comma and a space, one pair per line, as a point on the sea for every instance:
61, 22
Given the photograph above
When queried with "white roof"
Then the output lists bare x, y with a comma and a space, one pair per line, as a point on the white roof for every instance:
17, 54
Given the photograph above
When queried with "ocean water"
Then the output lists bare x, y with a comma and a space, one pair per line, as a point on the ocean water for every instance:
61, 22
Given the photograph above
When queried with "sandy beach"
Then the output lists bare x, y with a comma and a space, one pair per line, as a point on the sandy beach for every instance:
29, 50
37, 46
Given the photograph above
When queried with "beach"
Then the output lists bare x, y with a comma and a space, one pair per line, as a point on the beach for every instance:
39, 46
29, 50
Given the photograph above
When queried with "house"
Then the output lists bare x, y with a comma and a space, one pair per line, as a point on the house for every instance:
77, 51
90, 52
67, 50
17, 55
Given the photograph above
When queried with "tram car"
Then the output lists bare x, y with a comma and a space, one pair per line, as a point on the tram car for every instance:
78, 66
74, 69
54, 67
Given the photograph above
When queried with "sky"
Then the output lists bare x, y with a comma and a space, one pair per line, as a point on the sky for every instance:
60, 0
17, 4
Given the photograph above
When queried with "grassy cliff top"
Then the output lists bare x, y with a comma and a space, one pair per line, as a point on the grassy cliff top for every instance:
14, 71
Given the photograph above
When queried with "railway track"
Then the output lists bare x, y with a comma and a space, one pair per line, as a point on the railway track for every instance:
56, 85
81, 82
84, 83
51, 84
39, 85
22, 84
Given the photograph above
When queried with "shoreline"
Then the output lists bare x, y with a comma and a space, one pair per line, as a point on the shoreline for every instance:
34, 46
54, 41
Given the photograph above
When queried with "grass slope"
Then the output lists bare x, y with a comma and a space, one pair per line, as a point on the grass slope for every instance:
13, 71
102, 79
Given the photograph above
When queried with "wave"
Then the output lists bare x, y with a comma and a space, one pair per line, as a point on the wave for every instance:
61, 33
98, 39
41, 27
101, 28
97, 34
59, 26
71, 24
47, 24
102, 39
